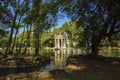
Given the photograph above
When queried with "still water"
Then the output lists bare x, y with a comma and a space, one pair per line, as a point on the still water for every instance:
58, 57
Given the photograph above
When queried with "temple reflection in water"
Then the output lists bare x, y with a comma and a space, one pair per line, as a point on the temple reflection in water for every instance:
61, 55
60, 58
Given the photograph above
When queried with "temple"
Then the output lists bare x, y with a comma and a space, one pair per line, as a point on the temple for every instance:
60, 41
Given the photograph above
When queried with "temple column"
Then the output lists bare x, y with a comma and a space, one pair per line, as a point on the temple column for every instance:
61, 43
58, 43
64, 43
55, 43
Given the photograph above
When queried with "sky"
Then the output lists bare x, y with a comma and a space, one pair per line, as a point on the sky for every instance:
61, 20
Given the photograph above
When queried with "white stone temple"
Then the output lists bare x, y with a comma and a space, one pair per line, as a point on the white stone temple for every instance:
60, 41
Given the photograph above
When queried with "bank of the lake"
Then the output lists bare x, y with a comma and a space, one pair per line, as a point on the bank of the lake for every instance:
63, 67
13, 64
78, 68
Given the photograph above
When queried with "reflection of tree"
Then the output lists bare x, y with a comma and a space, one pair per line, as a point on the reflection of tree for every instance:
60, 57
109, 51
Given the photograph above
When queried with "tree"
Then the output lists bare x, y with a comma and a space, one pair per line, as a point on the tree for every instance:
14, 9
57, 31
42, 19
112, 41
100, 19
72, 31
14, 39
5, 17
47, 39
33, 13
3, 31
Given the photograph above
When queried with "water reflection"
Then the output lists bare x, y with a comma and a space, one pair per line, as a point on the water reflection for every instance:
61, 55
58, 61
60, 58
110, 51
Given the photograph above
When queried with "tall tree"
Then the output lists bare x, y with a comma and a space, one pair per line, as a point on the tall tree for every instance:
42, 19
5, 18
22, 12
72, 31
100, 18
14, 8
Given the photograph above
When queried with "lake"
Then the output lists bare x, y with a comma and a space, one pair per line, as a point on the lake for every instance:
58, 57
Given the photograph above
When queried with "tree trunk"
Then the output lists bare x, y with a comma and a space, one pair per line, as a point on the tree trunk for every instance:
94, 49
37, 40
11, 34
9, 41
28, 39
37, 44
15, 35
14, 42
95, 46
21, 41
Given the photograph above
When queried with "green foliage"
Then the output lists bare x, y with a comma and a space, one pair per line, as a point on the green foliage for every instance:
100, 19
22, 36
47, 39
2, 33
73, 32
57, 31
3, 42
113, 41
92, 21
19, 13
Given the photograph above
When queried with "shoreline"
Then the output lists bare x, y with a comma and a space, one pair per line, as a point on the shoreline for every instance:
78, 68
